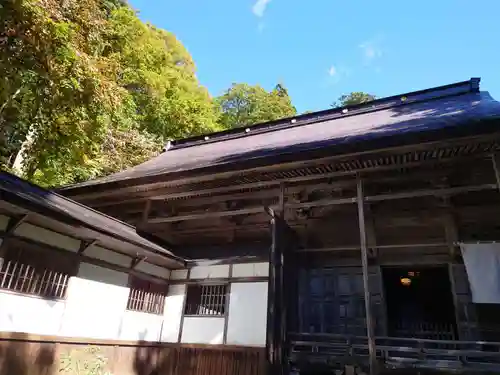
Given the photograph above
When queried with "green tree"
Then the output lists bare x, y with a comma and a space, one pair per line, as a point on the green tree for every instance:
356, 97
243, 105
124, 148
52, 87
159, 73
89, 89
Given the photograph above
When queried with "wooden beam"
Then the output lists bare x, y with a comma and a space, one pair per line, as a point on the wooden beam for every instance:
326, 202
431, 192
391, 246
82, 257
136, 261
366, 285
305, 163
270, 188
85, 245
267, 188
208, 215
14, 223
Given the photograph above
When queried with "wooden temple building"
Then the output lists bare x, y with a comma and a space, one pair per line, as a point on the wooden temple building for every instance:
361, 215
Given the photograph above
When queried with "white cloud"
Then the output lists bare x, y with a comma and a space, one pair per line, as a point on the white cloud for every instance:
259, 8
336, 73
371, 49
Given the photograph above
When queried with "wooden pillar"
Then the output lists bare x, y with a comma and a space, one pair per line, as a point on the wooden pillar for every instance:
145, 213
282, 200
495, 161
366, 286
278, 299
450, 228
274, 299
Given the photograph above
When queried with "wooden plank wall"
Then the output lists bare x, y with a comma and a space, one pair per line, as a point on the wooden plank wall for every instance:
32, 355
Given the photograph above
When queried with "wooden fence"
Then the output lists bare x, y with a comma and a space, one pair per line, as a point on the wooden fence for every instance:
30, 355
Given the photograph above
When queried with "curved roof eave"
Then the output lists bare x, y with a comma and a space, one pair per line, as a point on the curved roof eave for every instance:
449, 108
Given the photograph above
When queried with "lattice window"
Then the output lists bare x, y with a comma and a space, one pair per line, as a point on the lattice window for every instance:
206, 300
35, 272
146, 296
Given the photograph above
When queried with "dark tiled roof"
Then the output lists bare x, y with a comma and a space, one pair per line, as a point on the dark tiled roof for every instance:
459, 104
33, 198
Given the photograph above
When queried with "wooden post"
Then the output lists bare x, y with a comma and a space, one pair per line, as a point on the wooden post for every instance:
450, 228
145, 213
366, 286
282, 200
226, 308
272, 298
495, 161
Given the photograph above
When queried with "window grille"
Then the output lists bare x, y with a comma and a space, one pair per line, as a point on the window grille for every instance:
35, 273
206, 300
146, 296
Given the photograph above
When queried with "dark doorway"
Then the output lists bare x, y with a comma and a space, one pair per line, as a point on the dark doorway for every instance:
419, 302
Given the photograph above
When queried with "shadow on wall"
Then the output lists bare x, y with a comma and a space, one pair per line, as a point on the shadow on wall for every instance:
18, 357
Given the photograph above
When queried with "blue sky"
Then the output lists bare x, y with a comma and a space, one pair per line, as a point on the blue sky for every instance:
321, 49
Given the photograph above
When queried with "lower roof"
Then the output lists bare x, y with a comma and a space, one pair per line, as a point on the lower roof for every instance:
33, 198
449, 107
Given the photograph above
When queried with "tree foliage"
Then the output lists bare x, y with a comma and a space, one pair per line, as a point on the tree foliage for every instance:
243, 105
159, 74
88, 89
79, 76
52, 87
356, 97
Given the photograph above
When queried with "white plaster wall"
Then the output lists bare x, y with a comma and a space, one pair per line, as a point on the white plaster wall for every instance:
106, 255
179, 274
48, 237
251, 269
96, 303
200, 330
207, 272
173, 313
138, 326
152, 269
247, 314
30, 314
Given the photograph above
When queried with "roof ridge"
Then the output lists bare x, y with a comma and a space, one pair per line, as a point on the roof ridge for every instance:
471, 85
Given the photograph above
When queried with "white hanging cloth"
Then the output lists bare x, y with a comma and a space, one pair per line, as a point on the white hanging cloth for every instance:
482, 263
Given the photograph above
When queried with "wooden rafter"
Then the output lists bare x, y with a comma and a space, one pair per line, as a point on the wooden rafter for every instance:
326, 202
337, 159
198, 198
85, 245
136, 261
14, 223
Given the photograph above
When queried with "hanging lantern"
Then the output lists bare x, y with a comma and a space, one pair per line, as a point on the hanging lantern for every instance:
406, 281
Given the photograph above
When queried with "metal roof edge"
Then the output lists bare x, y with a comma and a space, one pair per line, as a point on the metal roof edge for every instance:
37, 189
435, 93
463, 87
